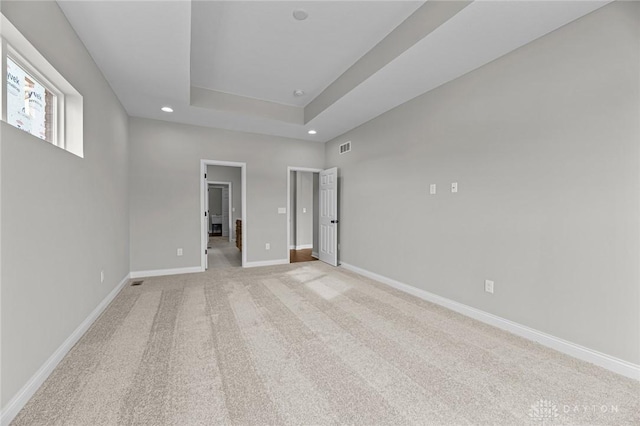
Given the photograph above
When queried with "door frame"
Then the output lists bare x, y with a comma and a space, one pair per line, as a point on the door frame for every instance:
289, 170
230, 185
204, 219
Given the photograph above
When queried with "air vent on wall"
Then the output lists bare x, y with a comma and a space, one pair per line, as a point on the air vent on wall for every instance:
345, 147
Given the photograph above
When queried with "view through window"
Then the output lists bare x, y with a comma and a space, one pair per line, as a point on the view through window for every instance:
30, 105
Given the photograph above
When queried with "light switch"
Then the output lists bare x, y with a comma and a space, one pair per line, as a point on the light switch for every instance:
304, 210
432, 188
454, 187
282, 210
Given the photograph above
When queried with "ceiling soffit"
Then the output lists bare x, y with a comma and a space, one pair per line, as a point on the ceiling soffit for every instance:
425, 19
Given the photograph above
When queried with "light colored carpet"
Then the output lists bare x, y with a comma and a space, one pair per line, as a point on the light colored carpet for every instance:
223, 254
310, 344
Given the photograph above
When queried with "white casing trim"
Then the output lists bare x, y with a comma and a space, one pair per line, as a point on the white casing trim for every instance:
267, 263
203, 223
29, 389
289, 170
163, 272
600, 359
314, 254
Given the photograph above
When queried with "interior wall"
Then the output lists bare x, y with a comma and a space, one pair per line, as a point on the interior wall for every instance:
233, 175
64, 218
215, 201
165, 189
543, 144
304, 210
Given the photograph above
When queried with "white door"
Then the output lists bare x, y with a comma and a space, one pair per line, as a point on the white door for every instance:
207, 217
329, 216
225, 212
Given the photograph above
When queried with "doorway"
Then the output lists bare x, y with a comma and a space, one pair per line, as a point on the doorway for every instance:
303, 214
223, 226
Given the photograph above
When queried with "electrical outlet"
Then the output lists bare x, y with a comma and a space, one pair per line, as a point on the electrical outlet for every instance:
432, 188
267, 246
102, 276
304, 210
179, 252
488, 286
454, 187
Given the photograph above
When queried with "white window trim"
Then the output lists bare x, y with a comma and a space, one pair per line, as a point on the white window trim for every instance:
68, 113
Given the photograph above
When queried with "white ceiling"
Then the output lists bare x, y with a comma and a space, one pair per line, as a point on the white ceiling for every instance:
154, 52
258, 50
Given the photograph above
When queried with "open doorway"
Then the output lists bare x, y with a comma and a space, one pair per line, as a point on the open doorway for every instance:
303, 214
223, 189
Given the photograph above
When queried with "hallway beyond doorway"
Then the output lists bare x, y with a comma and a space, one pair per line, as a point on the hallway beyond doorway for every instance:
223, 253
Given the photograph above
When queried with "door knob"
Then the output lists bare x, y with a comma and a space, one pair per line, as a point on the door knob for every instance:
334, 221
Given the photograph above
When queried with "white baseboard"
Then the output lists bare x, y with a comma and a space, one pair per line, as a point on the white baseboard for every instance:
266, 263
304, 246
162, 272
292, 247
600, 359
22, 397
314, 254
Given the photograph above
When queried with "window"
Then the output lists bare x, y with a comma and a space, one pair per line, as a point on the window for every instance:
36, 97
31, 106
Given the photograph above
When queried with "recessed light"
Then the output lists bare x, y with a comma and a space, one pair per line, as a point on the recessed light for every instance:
312, 132
167, 109
300, 14
298, 92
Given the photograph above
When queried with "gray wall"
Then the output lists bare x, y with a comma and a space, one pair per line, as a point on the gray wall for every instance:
165, 189
544, 145
52, 256
304, 201
233, 175
215, 201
